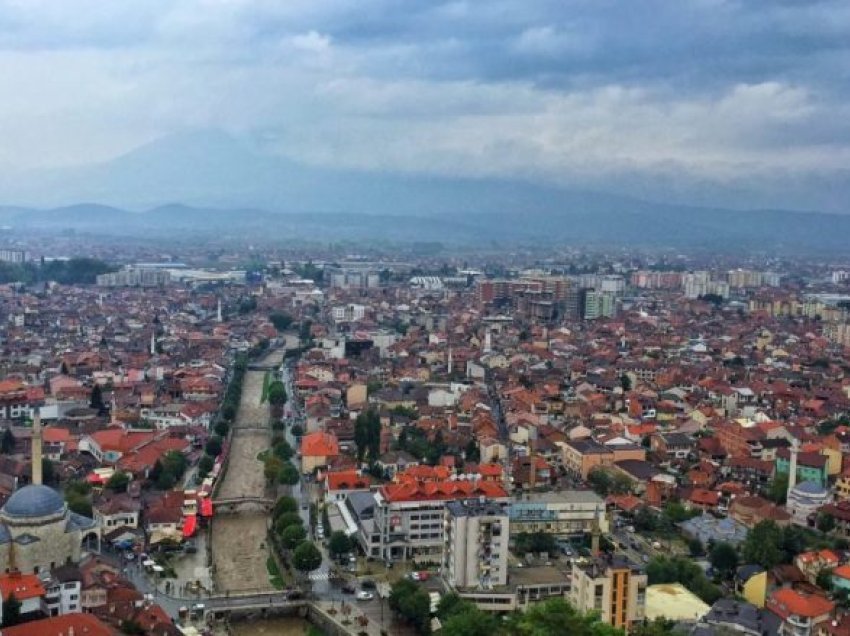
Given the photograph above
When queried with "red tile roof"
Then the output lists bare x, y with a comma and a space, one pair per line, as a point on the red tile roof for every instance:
441, 490
23, 586
78, 623
787, 602
319, 444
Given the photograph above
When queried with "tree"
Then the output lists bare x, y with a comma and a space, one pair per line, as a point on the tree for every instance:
367, 435
777, 490
213, 446
413, 603
96, 399
535, 542
625, 383
277, 393
11, 611
280, 320
763, 545
470, 621
118, 482
472, 452
724, 558
297, 430
554, 617
272, 468
284, 504
288, 475
825, 522
824, 579
48, 471
7, 442
600, 480
659, 627
293, 536
205, 465
339, 543
306, 557
695, 547
646, 520
285, 520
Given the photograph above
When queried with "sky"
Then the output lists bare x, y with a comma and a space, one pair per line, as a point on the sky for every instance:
719, 102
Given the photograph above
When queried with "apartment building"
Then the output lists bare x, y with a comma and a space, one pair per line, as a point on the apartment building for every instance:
564, 513
476, 544
611, 586
409, 517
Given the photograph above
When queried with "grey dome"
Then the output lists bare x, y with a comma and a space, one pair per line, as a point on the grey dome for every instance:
34, 501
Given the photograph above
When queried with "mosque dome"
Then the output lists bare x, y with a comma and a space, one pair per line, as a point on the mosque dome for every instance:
34, 501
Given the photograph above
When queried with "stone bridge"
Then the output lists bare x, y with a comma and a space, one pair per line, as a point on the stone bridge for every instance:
235, 505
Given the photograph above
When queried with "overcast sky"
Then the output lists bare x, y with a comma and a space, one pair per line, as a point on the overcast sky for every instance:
701, 100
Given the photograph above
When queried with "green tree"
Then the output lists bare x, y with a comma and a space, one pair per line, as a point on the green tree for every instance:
277, 393
213, 446
297, 430
272, 467
555, 617
600, 480
367, 435
824, 579
205, 465
306, 557
288, 475
285, 520
11, 611
625, 383
339, 543
470, 621
659, 627
825, 522
7, 442
96, 399
293, 536
280, 320
777, 490
472, 452
118, 482
284, 504
695, 547
724, 558
763, 545
412, 603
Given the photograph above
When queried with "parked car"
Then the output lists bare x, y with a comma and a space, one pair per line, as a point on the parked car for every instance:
362, 595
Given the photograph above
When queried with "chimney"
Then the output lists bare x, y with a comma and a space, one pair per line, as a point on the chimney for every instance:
36, 448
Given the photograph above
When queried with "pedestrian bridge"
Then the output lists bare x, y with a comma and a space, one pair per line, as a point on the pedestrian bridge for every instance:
236, 505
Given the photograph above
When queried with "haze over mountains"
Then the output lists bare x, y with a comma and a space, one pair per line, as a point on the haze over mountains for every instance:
219, 185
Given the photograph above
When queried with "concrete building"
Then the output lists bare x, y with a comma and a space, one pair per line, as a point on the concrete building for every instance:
611, 586
564, 513
476, 545
135, 277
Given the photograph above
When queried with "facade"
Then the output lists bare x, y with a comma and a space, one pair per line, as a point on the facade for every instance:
409, 518
611, 586
135, 277
564, 513
476, 545
799, 612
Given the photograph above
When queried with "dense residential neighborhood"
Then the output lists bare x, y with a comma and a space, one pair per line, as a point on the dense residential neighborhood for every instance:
642, 446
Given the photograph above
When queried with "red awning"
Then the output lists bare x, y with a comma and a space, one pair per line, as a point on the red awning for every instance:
206, 507
94, 478
190, 524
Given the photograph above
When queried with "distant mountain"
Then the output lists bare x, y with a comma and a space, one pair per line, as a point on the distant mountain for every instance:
227, 188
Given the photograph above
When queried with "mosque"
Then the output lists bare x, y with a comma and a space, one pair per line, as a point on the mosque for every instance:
37, 530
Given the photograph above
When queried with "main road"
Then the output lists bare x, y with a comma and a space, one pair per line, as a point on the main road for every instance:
239, 542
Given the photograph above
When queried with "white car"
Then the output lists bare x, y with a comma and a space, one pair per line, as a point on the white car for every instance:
363, 595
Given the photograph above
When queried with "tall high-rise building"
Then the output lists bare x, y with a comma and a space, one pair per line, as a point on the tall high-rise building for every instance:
610, 585
476, 548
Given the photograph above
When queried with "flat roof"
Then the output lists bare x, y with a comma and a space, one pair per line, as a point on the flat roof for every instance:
674, 602
562, 496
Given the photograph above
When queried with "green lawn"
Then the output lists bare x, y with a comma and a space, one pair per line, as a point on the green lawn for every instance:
267, 380
274, 573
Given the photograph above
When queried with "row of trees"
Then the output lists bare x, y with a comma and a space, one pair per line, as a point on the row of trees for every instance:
676, 569
277, 466
605, 483
291, 537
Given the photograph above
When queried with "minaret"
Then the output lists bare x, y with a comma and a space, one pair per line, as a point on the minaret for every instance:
36, 448
450, 361
792, 469
153, 342
488, 342
218, 312
113, 411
